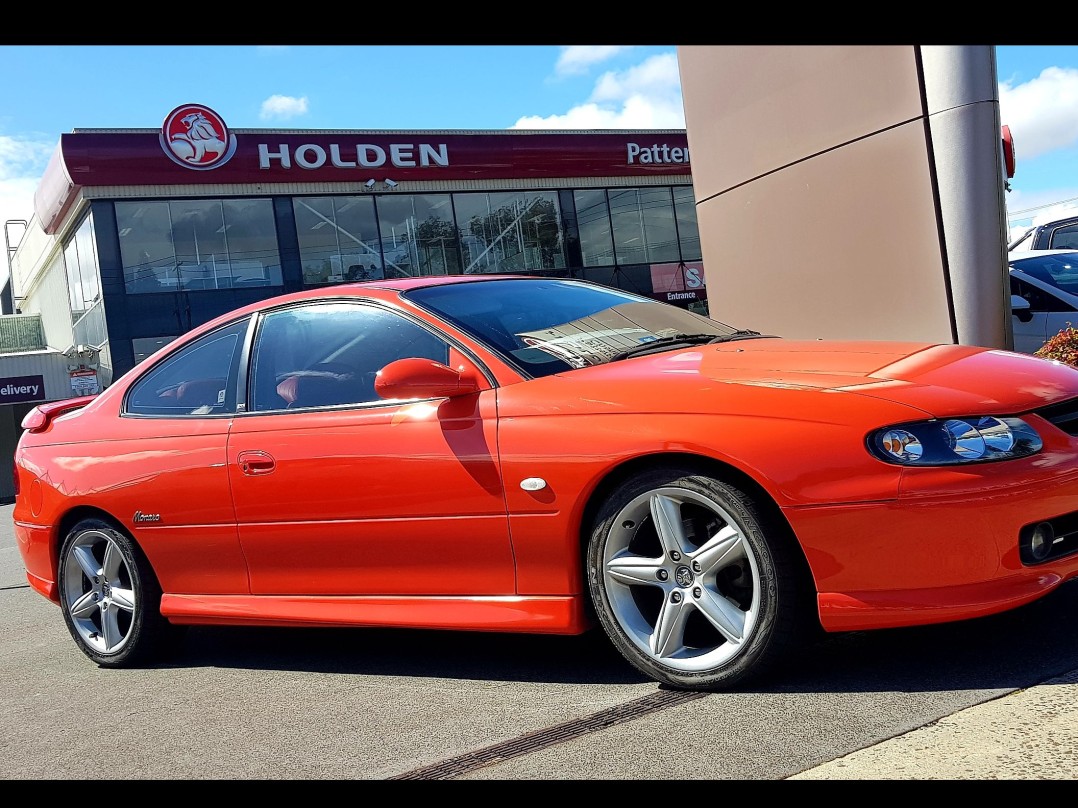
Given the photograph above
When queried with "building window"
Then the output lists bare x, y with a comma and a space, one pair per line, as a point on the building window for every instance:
418, 235
688, 231
197, 244
510, 232
338, 239
593, 222
644, 226
80, 264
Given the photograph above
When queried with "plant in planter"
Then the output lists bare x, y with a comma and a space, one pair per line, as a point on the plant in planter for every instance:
1063, 347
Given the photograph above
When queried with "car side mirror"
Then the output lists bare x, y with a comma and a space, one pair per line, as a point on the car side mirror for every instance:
423, 378
1020, 308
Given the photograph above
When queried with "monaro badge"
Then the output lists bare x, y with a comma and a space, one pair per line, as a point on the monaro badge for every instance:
147, 517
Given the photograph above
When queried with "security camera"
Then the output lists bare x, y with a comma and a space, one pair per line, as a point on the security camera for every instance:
370, 183
390, 183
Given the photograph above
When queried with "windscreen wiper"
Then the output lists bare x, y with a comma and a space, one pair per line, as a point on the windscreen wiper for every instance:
741, 334
677, 340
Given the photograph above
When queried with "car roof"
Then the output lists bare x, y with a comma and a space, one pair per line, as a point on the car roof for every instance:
1019, 255
372, 288
376, 289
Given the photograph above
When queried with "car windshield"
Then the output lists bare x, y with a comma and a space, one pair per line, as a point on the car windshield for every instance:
547, 325
1059, 270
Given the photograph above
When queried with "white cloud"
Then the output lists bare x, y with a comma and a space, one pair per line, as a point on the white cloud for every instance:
1042, 113
646, 96
656, 76
577, 59
282, 107
1023, 207
1064, 210
22, 162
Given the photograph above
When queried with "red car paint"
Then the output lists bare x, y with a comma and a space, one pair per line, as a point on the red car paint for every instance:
412, 512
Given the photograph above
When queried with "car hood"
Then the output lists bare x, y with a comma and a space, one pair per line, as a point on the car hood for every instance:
941, 380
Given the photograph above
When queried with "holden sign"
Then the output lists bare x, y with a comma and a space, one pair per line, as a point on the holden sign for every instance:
196, 137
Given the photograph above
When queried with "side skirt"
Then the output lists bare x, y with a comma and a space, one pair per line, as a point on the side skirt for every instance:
530, 615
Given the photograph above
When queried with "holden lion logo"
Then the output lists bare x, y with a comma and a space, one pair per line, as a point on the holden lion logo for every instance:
196, 137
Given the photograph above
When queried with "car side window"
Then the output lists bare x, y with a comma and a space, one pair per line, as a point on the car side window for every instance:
1039, 300
1064, 238
199, 379
327, 354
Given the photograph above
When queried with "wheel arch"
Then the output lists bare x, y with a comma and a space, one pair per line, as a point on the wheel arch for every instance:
76, 515
703, 465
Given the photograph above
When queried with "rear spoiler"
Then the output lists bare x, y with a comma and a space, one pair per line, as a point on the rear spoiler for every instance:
39, 418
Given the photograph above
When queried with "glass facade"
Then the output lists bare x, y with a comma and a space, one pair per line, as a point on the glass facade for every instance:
510, 232
191, 259
198, 244
80, 264
338, 239
596, 230
206, 244
688, 234
418, 235
645, 230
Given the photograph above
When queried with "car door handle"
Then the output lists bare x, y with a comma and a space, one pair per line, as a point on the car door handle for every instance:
255, 462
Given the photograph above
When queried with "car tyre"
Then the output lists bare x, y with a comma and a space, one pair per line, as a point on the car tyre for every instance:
695, 584
110, 597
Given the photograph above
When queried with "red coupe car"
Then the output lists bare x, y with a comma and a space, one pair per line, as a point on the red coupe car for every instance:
531, 454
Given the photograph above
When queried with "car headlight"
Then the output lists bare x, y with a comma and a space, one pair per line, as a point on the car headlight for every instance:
955, 440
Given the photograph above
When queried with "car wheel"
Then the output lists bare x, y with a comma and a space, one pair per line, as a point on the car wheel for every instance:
110, 597
693, 583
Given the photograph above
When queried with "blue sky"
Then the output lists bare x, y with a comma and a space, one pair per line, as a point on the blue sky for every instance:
52, 89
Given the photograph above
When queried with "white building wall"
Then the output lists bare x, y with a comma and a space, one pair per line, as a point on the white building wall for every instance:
49, 299
33, 254
52, 366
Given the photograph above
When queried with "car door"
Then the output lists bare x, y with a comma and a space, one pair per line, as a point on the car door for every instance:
1046, 316
176, 418
339, 492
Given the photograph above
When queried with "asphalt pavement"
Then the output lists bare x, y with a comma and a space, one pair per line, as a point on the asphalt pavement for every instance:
993, 699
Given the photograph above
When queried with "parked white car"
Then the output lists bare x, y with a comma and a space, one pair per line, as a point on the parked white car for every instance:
1057, 234
1044, 295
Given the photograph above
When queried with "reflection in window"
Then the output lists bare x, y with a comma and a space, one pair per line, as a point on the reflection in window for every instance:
593, 221
197, 380
198, 244
517, 231
80, 264
1058, 270
145, 346
327, 354
418, 235
644, 228
1065, 238
338, 239
687, 229
91, 328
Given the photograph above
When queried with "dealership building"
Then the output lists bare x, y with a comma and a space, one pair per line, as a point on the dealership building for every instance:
138, 235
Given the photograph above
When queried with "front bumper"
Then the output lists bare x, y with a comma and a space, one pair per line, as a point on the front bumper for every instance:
947, 549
